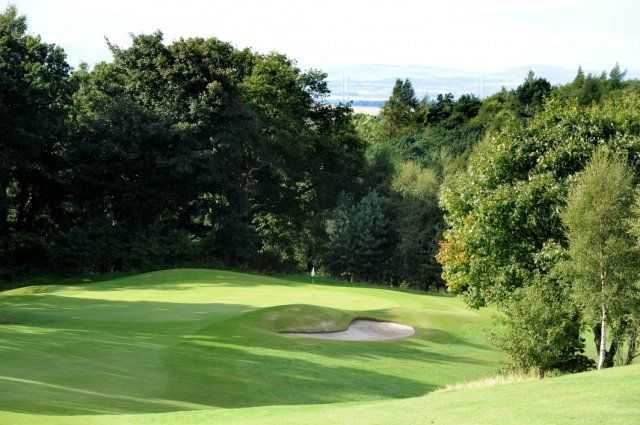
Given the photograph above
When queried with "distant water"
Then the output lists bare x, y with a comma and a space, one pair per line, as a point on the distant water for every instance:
369, 110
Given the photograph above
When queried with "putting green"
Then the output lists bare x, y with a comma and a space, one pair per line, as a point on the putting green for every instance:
167, 342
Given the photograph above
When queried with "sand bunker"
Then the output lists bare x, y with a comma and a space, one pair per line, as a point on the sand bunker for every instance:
363, 330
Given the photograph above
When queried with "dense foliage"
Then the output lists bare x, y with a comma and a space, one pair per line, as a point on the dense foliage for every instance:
192, 151
505, 210
604, 260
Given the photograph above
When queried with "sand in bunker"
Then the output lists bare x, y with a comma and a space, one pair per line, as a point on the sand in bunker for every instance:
363, 330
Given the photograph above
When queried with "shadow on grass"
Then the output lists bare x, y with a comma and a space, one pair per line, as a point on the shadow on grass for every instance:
51, 279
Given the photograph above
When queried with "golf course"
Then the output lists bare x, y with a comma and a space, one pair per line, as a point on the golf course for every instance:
195, 346
201, 225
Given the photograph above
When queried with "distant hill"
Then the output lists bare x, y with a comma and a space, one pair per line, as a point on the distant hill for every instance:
370, 85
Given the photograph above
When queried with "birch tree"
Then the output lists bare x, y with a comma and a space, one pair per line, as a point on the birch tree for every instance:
603, 258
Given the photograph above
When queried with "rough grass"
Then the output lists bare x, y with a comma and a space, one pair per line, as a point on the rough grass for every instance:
491, 381
202, 346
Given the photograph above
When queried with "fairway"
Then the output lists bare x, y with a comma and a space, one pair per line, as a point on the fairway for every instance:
204, 346
182, 340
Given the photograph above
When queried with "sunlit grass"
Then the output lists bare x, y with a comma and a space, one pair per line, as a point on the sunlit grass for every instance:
203, 346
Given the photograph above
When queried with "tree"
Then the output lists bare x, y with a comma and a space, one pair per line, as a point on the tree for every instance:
186, 151
530, 95
369, 128
34, 91
633, 340
417, 223
235, 151
400, 111
360, 239
441, 109
591, 90
579, 80
540, 329
304, 155
158, 141
496, 111
503, 209
603, 258
616, 77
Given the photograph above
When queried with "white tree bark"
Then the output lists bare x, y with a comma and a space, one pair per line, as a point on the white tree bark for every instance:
603, 337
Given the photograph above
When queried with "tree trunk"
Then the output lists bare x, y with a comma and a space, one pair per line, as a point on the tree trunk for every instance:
603, 337
632, 348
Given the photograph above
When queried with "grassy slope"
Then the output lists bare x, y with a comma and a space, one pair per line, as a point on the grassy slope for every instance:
196, 346
611, 397
198, 339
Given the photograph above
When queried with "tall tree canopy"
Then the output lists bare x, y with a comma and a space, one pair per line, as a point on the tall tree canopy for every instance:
506, 206
401, 113
174, 152
603, 258
34, 92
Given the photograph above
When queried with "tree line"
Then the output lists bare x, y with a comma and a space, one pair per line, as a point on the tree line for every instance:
188, 152
543, 223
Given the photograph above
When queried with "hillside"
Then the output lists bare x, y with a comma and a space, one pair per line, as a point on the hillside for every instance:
197, 340
202, 346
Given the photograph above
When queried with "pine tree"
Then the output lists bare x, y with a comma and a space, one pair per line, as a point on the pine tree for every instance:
359, 239
591, 90
616, 76
400, 113
579, 80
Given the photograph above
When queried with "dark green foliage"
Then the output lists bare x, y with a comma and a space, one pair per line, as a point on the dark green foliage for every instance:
506, 206
449, 113
590, 88
530, 95
307, 154
579, 80
616, 77
34, 91
407, 158
360, 239
505, 209
158, 144
540, 329
402, 113
418, 224
180, 153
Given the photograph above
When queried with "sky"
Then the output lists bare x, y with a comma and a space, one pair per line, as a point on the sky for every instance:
480, 35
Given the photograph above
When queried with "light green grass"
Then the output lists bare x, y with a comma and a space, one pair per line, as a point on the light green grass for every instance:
202, 346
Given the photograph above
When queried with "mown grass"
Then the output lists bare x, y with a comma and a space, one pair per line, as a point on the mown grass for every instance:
202, 346
201, 339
